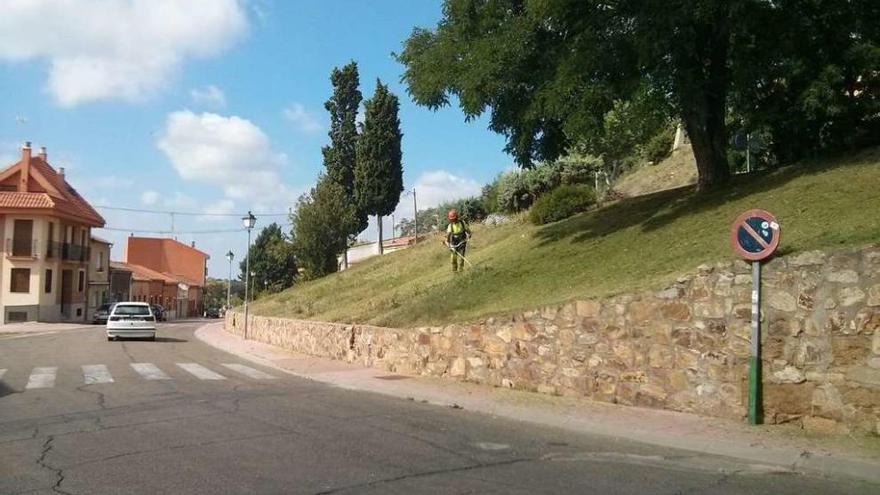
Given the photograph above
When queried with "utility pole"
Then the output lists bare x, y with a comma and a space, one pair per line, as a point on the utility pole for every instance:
415, 215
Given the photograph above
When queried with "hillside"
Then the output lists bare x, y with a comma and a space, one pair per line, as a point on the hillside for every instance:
678, 170
637, 243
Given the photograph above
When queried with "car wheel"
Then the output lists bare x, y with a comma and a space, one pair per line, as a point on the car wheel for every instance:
109, 339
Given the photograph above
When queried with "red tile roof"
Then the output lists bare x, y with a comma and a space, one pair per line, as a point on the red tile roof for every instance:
56, 195
25, 200
139, 272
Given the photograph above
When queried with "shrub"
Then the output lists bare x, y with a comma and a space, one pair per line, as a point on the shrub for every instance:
562, 202
659, 146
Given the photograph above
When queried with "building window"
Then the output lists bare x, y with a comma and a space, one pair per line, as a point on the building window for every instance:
82, 281
100, 261
20, 280
48, 287
50, 243
22, 238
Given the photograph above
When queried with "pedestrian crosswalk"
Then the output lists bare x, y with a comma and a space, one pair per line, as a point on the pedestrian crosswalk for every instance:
42, 377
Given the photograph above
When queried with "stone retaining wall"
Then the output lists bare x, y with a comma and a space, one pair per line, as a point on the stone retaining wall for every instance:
684, 348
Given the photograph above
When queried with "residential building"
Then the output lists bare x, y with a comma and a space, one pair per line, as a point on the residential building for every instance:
46, 227
183, 263
99, 275
120, 282
150, 286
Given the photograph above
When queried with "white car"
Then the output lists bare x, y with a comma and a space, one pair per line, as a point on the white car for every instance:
131, 319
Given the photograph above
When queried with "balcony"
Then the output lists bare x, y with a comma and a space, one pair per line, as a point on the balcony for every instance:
67, 251
21, 248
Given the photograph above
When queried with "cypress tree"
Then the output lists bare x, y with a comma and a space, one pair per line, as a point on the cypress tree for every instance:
339, 155
378, 178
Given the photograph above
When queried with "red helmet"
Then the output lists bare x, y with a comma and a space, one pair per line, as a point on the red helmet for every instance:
452, 215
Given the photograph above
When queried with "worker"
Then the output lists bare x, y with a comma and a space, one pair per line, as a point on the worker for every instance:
457, 235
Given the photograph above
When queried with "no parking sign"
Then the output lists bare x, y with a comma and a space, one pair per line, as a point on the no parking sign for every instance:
755, 235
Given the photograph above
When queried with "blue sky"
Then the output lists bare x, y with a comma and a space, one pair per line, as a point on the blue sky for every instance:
214, 106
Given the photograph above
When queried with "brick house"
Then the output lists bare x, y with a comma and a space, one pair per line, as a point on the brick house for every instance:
184, 263
151, 286
45, 226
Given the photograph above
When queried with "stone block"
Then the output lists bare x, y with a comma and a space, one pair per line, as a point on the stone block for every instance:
847, 350
843, 277
867, 321
865, 376
587, 309
650, 395
781, 301
789, 374
504, 334
875, 343
660, 356
678, 311
824, 426
458, 368
786, 399
807, 258
827, 402
642, 311
874, 295
850, 296
494, 345
523, 331
824, 377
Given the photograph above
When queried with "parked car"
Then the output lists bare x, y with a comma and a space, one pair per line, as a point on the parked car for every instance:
131, 320
101, 314
158, 312
212, 313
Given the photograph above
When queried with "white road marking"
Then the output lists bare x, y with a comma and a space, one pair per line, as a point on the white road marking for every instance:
2, 372
250, 372
42, 377
200, 371
96, 373
149, 371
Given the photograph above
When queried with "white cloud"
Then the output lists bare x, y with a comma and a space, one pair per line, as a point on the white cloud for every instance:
209, 96
437, 186
229, 152
214, 210
304, 120
149, 198
116, 49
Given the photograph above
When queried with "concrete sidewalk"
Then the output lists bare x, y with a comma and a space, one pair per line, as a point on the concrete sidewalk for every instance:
783, 448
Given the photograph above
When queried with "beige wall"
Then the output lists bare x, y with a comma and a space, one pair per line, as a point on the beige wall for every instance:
48, 303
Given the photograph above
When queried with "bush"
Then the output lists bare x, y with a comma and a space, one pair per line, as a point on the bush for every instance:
562, 202
659, 146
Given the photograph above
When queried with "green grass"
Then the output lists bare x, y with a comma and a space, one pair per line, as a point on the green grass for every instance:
635, 244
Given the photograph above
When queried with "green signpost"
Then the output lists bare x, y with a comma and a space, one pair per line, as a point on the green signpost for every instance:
755, 236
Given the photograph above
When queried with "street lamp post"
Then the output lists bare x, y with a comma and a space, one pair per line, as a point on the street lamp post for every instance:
229, 256
248, 222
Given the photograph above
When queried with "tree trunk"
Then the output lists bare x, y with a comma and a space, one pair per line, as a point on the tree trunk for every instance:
379, 218
703, 102
708, 135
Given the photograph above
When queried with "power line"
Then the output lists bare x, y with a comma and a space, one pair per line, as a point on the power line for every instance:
175, 232
187, 213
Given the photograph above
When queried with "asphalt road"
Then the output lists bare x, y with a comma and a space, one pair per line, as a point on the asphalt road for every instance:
177, 419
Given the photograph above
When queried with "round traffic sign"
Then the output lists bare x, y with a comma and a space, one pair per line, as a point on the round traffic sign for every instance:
755, 235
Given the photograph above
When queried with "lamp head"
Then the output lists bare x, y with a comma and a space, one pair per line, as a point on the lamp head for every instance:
249, 221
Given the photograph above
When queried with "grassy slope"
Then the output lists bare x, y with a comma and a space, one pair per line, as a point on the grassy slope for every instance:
635, 244
678, 170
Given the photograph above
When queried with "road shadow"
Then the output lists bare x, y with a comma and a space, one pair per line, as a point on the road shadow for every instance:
169, 339
5, 390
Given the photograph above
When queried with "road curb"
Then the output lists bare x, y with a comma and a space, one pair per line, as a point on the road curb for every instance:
670, 429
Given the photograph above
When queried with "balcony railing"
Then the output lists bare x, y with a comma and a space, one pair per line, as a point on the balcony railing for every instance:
21, 248
67, 251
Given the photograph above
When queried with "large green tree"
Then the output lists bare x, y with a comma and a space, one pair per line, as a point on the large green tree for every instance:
340, 154
378, 179
550, 70
271, 261
321, 222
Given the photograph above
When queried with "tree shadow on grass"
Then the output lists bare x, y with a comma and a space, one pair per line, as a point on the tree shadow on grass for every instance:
656, 210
